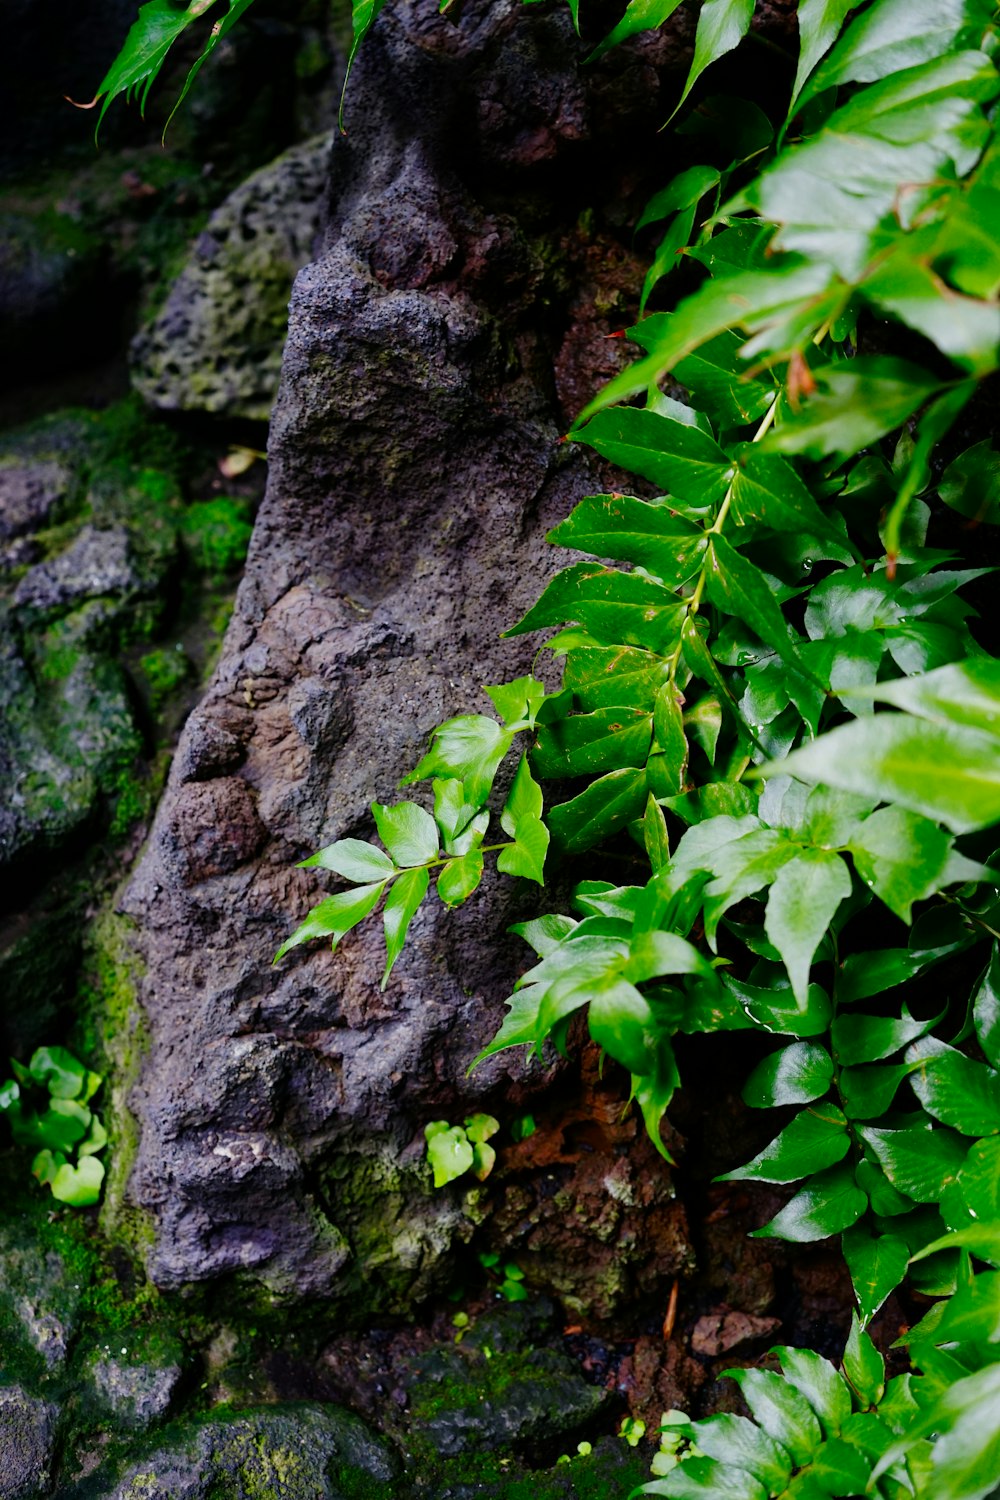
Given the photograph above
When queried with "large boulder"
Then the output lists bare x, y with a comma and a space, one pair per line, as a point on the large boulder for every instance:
415, 466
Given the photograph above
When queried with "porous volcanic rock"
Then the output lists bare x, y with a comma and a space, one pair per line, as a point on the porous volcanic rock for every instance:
415, 466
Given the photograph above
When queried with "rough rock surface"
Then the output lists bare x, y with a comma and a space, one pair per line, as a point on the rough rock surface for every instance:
295, 1452
415, 466
26, 1440
216, 346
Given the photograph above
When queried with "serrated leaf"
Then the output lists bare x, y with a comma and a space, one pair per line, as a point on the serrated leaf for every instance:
877, 1264
801, 906
468, 749
606, 806
821, 1384
854, 404
640, 15
682, 459
950, 775
334, 916
722, 25
816, 1138
797, 1074
144, 51
354, 859
782, 1411
405, 895
408, 831
830, 1203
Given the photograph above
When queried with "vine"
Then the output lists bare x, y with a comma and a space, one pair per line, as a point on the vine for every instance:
782, 699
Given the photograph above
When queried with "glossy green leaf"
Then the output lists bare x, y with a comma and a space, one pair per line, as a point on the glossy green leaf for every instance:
986, 1009
868, 1092
354, 859
822, 1385
767, 491
965, 1417
449, 1152
829, 1203
971, 485
722, 25
621, 1022
877, 1264
855, 403
707, 1479
737, 588
59, 1127
865, 1039
950, 775
719, 384
606, 806
468, 749
740, 1444
965, 693
955, 1089
405, 895
144, 51
865, 974
819, 26
897, 34
781, 1411
637, 531
906, 858
797, 1074
918, 1162
640, 15
408, 831
519, 701
587, 744
681, 458
816, 1138
654, 833
802, 904
616, 608
863, 1365
335, 916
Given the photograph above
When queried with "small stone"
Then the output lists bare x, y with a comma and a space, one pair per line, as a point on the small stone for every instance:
98, 563
136, 1394
27, 1432
718, 1333
29, 493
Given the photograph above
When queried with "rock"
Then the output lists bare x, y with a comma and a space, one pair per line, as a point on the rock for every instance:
498, 1389
216, 346
135, 1395
97, 563
292, 1452
30, 494
718, 1333
415, 465
40, 1297
27, 1436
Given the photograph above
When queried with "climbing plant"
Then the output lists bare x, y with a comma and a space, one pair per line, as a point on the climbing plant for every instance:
774, 686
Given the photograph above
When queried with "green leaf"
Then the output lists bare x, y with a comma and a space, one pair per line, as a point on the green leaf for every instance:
854, 404
586, 744
481, 1127
219, 30
334, 916
621, 1021
637, 531
668, 724
722, 25
863, 1365
950, 775
460, 877
95, 1140
970, 484
867, 1093
449, 1151
864, 1039
79, 1186
408, 831
740, 1444
820, 22
519, 701
707, 1479
469, 749
896, 34
400, 904
526, 857
830, 1203
59, 1127
906, 858
45, 1166
614, 607
965, 1416
801, 906
877, 1264
738, 588
685, 191
353, 859
144, 51
986, 1010
363, 15
815, 1139
719, 385
603, 809
655, 837
955, 1089
782, 1411
767, 491
682, 459
965, 693
456, 817
794, 1075
917, 1161
58, 1071
865, 974
817, 1380
641, 15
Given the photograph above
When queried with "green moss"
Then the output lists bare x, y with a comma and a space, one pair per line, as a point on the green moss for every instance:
217, 533
164, 670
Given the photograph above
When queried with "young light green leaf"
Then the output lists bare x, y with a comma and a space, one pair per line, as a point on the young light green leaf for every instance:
829, 1203
354, 859
815, 1139
400, 904
334, 916
449, 1151
468, 749
460, 877
58, 1071
79, 1185
408, 831
797, 1074
519, 701
722, 25
526, 856
802, 904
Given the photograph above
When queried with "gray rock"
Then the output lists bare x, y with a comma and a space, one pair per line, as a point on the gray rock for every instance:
136, 1395
29, 494
216, 346
97, 563
415, 465
27, 1435
39, 1300
293, 1452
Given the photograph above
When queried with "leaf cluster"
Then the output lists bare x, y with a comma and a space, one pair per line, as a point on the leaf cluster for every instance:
47, 1105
